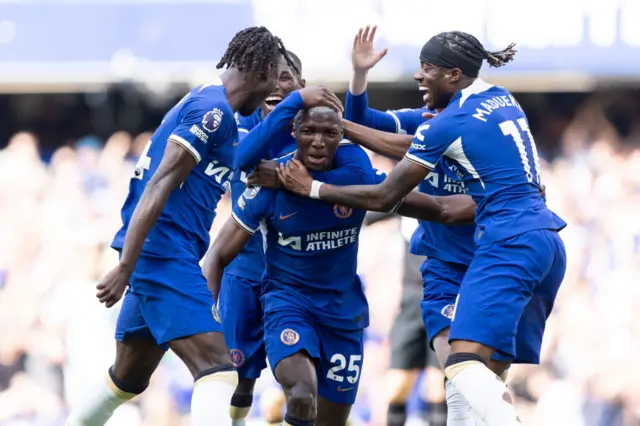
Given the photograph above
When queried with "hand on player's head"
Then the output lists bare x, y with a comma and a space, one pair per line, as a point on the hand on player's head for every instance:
320, 96
295, 177
363, 56
265, 175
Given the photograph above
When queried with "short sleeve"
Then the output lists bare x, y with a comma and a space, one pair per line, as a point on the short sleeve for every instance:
407, 120
251, 208
429, 144
203, 125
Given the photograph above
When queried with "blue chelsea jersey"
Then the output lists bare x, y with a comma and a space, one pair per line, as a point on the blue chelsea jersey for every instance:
311, 247
435, 240
202, 122
272, 137
249, 263
486, 133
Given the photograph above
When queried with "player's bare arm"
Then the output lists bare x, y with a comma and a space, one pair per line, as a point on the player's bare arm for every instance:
448, 210
390, 145
228, 244
382, 197
175, 166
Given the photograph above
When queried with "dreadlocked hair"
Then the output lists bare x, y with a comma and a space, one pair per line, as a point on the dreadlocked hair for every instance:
471, 47
252, 49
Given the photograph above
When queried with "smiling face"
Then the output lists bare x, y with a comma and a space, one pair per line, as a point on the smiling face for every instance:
318, 132
262, 85
288, 81
437, 84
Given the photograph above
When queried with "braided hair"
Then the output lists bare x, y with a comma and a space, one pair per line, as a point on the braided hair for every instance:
469, 46
252, 49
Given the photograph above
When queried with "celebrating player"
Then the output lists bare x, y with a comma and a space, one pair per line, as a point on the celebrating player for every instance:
167, 215
520, 261
449, 249
239, 300
314, 306
241, 282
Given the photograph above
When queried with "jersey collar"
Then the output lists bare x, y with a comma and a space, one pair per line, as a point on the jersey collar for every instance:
478, 86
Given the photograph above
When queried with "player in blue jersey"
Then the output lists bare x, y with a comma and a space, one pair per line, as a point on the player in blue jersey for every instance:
239, 299
167, 216
314, 305
518, 266
449, 249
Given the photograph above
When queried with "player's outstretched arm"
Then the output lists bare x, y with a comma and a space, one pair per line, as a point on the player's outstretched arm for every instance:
390, 145
382, 197
449, 210
363, 58
228, 244
256, 144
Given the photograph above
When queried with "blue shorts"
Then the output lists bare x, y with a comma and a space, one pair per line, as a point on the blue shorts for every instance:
508, 294
440, 286
241, 314
167, 299
337, 353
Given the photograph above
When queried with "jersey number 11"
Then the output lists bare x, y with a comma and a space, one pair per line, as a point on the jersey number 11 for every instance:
509, 128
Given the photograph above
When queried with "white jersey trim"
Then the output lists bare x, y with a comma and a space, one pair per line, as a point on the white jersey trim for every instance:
243, 225
396, 119
419, 161
186, 145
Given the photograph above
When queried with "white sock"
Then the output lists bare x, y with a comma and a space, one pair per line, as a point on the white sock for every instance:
485, 392
211, 399
97, 405
238, 422
459, 412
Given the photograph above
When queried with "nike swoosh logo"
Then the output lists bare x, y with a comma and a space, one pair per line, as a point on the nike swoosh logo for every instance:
287, 216
235, 143
340, 389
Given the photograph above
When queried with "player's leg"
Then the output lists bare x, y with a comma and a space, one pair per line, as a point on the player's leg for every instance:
532, 323
293, 347
459, 412
332, 413
408, 356
441, 281
215, 378
177, 308
339, 372
297, 375
241, 315
137, 357
499, 284
437, 410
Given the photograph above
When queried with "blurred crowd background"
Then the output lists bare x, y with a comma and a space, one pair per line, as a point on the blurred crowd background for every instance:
74, 120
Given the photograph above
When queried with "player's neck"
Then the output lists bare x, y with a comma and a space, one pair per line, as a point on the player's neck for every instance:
464, 83
236, 86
